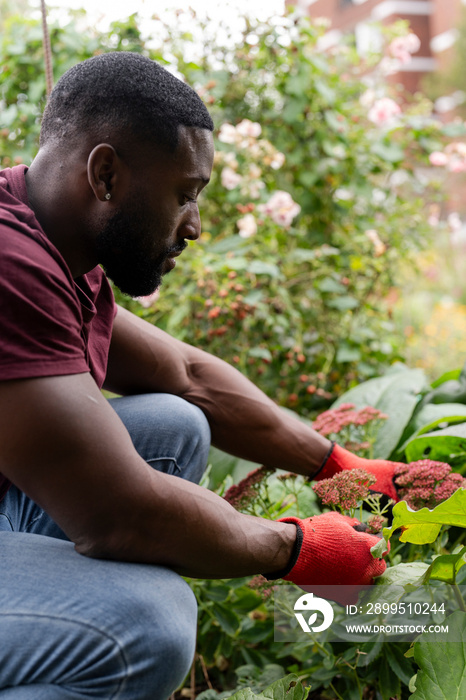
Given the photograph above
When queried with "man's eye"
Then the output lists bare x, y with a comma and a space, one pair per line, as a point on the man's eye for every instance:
187, 198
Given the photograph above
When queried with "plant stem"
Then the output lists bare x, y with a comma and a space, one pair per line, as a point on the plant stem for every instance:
459, 597
336, 692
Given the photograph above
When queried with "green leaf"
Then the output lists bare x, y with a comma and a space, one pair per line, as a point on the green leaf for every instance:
368, 393
8, 115
308, 178
262, 353
257, 267
227, 244
446, 376
445, 567
450, 391
294, 109
369, 651
397, 401
287, 688
454, 129
226, 618
442, 672
389, 683
254, 297
328, 284
346, 353
430, 416
216, 591
325, 91
247, 601
238, 263
178, 316
398, 663
345, 303
402, 574
423, 526
388, 152
440, 445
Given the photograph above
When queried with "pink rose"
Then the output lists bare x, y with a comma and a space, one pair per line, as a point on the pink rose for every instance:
383, 111
438, 158
230, 179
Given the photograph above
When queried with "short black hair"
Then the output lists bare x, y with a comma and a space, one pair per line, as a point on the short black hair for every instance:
123, 92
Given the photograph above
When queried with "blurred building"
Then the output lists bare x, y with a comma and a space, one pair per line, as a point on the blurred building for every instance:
433, 21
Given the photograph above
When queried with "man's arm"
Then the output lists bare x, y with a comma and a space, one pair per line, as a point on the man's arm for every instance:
65, 447
243, 420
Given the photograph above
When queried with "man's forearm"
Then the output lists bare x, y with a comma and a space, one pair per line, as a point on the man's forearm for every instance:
243, 420
246, 423
193, 531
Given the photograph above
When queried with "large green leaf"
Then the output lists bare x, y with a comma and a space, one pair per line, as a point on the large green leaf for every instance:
431, 416
442, 674
402, 574
423, 526
440, 445
368, 393
396, 394
398, 401
288, 688
446, 377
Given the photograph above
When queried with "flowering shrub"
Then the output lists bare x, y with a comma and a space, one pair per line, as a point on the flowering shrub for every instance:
425, 483
313, 203
312, 206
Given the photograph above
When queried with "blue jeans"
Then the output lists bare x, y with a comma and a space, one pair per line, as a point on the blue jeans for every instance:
72, 627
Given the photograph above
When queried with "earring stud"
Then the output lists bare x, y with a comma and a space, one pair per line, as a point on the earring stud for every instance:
108, 196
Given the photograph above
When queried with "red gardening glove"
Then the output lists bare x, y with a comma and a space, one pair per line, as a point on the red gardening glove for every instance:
334, 556
340, 459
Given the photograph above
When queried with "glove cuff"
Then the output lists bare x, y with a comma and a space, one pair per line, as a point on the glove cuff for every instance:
275, 575
326, 458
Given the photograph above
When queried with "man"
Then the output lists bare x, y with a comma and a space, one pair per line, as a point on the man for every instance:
125, 150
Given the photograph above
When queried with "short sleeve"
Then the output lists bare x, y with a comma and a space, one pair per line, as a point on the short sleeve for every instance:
40, 314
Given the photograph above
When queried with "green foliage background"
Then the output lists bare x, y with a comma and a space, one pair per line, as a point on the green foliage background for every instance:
304, 311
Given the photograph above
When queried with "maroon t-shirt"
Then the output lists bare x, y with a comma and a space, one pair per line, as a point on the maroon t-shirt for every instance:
50, 323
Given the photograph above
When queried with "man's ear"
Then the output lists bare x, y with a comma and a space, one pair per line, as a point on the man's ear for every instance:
103, 170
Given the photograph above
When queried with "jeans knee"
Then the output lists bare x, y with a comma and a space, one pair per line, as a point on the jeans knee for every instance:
167, 632
196, 439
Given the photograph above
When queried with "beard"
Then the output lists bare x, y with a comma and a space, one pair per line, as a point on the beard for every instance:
126, 250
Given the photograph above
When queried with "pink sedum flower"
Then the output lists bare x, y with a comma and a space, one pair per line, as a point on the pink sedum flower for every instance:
384, 111
346, 489
332, 421
425, 483
243, 494
375, 524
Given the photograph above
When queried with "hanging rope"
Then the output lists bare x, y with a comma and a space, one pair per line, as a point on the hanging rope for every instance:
47, 50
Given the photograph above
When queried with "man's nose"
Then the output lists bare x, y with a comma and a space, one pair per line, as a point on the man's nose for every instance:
191, 225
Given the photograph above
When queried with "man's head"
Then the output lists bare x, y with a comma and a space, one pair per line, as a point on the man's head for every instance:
121, 93
141, 140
